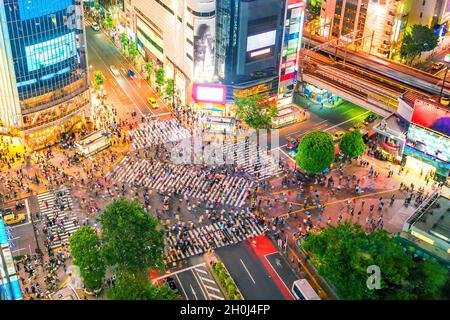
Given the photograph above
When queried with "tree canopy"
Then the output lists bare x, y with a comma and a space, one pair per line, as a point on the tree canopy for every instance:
169, 87
254, 112
419, 39
131, 239
352, 144
99, 79
136, 286
315, 152
342, 255
85, 247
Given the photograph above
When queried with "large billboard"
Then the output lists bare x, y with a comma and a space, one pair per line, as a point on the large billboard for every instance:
431, 116
50, 52
429, 143
204, 48
209, 93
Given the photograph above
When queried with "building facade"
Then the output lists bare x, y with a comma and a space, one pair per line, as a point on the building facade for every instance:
373, 26
237, 44
45, 87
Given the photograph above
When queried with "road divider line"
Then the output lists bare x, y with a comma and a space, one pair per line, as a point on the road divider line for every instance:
337, 125
265, 257
245, 267
201, 285
179, 271
182, 288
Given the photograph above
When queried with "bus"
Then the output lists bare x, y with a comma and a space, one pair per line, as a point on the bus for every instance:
302, 290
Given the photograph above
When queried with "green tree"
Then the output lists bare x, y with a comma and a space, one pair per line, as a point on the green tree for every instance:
169, 88
132, 51
99, 79
160, 77
314, 8
131, 239
315, 152
428, 280
109, 21
85, 247
255, 113
352, 144
149, 69
342, 255
136, 286
124, 41
419, 39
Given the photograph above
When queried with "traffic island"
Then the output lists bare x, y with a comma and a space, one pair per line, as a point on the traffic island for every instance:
225, 281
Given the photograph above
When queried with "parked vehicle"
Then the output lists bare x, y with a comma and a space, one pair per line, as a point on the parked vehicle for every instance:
152, 102
437, 66
95, 26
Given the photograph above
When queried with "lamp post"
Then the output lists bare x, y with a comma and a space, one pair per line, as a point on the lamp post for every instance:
446, 59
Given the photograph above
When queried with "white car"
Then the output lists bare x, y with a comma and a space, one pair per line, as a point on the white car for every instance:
95, 27
114, 70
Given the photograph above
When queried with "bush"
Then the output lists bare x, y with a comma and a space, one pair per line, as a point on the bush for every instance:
237, 296
229, 282
231, 289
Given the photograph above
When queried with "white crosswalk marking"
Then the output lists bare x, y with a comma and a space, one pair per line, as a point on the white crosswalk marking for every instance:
156, 132
56, 208
229, 190
255, 162
210, 236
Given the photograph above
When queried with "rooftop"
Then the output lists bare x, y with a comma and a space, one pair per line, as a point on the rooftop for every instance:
435, 220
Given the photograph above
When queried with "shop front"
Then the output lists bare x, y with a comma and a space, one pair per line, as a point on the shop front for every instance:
319, 95
219, 124
427, 150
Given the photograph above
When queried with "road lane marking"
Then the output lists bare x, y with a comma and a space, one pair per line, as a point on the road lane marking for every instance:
201, 285
202, 270
28, 209
193, 292
217, 297
245, 267
278, 262
179, 271
316, 124
182, 288
212, 288
206, 279
337, 125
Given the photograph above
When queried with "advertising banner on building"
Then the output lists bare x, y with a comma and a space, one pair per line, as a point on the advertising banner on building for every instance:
431, 116
204, 48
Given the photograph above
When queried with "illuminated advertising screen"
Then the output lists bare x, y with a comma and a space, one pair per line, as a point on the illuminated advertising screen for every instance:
429, 143
431, 116
3, 236
209, 93
30, 9
50, 52
204, 48
262, 40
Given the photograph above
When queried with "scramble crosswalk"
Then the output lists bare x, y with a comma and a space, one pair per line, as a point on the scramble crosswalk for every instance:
157, 132
216, 235
56, 208
259, 164
187, 180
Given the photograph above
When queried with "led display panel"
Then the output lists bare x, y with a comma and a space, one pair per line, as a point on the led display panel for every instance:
50, 52
431, 116
261, 40
209, 93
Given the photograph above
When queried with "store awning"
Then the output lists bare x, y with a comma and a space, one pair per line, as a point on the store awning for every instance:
389, 147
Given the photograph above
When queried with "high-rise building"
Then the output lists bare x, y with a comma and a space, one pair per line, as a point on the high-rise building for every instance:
44, 87
241, 45
371, 25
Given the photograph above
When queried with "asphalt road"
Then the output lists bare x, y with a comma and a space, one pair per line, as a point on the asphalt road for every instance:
251, 276
123, 92
195, 282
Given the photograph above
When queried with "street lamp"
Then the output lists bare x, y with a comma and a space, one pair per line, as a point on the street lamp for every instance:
446, 59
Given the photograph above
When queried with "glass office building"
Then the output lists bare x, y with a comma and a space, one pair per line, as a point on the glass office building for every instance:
42, 48
249, 36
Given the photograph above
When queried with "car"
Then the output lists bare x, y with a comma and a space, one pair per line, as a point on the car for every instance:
114, 70
95, 27
131, 74
292, 153
337, 136
437, 66
13, 218
172, 284
445, 101
292, 143
357, 126
152, 102
369, 119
